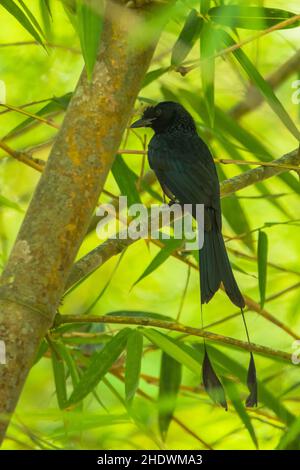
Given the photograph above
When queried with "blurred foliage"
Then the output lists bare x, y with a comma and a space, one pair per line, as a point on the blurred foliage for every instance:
121, 402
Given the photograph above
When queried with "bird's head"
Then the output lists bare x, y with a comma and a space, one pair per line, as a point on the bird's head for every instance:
166, 116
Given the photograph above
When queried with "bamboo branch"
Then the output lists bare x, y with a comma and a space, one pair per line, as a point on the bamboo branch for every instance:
174, 326
57, 220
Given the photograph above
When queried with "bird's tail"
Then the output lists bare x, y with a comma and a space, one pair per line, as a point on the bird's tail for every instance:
215, 269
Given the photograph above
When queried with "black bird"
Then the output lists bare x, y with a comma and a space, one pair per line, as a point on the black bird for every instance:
186, 171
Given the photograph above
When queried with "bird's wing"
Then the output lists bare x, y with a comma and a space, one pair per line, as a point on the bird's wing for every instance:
184, 165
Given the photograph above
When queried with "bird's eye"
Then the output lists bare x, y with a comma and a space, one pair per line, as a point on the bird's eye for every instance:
158, 112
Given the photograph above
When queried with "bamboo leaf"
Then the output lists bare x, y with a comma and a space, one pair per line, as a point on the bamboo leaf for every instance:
46, 15
89, 23
153, 75
173, 348
169, 385
235, 368
233, 394
8, 203
55, 105
250, 17
262, 260
290, 439
31, 17
187, 37
133, 364
207, 51
170, 246
263, 86
99, 366
21, 17
251, 400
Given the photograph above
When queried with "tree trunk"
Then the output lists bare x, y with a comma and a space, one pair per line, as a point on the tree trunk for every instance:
60, 211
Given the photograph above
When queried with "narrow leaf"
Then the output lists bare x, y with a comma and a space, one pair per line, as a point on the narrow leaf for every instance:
211, 383
169, 385
126, 180
99, 366
187, 37
90, 22
290, 439
233, 394
263, 86
133, 364
153, 75
20, 16
7, 203
179, 352
262, 261
251, 400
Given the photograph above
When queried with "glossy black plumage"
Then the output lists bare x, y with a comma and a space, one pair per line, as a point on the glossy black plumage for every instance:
186, 171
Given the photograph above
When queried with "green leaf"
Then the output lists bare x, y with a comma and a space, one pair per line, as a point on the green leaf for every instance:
43, 348
204, 6
169, 385
133, 364
105, 287
235, 368
7, 203
262, 261
187, 37
126, 180
66, 355
173, 348
100, 364
248, 17
89, 23
263, 86
170, 246
233, 394
207, 51
21, 17
212, 383
139, 314
46, 17
59, 376
55, 105
31, 17
235, 215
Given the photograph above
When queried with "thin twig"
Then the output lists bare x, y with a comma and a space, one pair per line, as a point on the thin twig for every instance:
174, 326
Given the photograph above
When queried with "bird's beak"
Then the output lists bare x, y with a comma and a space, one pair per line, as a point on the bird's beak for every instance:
144, 122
